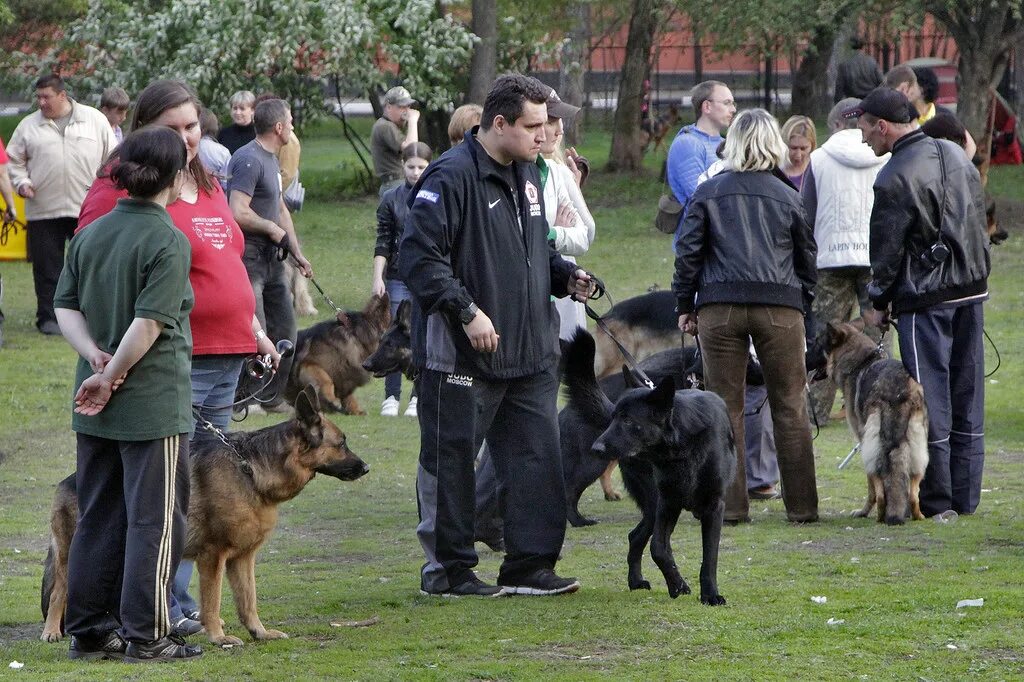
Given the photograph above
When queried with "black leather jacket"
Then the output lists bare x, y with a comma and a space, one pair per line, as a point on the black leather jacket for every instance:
745, 239
390, 223
905, 220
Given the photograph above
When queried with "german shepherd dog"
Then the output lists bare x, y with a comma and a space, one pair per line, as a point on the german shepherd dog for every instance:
235, 491
676, 450
655, 128
886, 411
330, 355
394, 354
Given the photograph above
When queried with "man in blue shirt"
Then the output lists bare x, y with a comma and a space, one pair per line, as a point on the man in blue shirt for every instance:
695, 145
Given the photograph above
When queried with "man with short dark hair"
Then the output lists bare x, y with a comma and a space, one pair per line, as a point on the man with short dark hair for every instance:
55, 153
254, 189
387, 139
476, 258
695, 146
859, 74
930, 266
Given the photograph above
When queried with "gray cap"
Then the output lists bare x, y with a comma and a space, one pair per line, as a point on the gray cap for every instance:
398, 96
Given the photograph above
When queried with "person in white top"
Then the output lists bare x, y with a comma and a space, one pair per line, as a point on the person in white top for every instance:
571, 226
55, 153
838, 198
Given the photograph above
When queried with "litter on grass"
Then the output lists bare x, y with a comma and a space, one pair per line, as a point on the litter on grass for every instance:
963, 603
819, 600
16, 665
835, 621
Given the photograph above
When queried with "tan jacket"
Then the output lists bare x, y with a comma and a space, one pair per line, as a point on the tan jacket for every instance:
60, 168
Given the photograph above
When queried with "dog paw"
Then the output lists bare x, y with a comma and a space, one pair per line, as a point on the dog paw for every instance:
640, 585
584, 521
712, 600
226, 640
51, 636
613, 496
676, 590
860, 514
270, 634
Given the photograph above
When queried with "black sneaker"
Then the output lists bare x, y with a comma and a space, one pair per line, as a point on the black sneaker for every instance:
170, 648
108, 647
474, 587
540, 583
186, 626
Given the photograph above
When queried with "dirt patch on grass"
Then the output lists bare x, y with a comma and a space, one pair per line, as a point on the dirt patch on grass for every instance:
1010, 213
564, 652
23, 632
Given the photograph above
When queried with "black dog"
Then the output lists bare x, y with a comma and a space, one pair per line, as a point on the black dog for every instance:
676, 450
394, 354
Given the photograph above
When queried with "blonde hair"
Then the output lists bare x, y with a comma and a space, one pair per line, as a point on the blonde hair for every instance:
463, 118
800, 126
754, 142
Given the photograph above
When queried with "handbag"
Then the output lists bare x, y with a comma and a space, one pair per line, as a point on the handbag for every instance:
294, 196
667, 218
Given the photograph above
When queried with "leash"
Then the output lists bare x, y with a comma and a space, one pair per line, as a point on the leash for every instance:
258, 367
599, 292
284, 251
999, 358
10, 227
207, 425
846, 460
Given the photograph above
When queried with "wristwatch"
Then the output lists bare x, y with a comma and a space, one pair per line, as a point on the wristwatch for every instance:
468, 314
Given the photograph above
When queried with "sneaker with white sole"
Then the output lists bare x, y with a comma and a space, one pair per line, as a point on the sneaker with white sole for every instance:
389, 408
474, 587
410, 410
541, 583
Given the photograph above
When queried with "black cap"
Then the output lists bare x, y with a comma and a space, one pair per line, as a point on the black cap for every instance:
886, 104
559, 109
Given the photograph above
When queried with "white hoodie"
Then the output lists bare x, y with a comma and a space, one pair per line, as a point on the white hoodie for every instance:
838, 198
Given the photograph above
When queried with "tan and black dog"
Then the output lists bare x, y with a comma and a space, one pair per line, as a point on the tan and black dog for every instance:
886, 411
234, 496
330, 355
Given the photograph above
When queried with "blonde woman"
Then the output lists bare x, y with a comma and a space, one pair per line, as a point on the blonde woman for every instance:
801, 139
571, 226
746, 267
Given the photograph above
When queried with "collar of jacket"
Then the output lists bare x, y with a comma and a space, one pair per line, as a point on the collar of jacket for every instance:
76, 114
910, 138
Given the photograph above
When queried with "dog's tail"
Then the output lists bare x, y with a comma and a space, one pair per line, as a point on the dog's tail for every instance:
897, 434
48, 580
581, 387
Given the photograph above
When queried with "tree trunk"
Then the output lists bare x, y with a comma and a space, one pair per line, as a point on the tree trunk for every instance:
574, 57
811, 94
483, 64
626, 154
768, 69
984, 35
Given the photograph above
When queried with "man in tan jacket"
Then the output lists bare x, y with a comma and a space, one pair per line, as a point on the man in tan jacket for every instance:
55, 153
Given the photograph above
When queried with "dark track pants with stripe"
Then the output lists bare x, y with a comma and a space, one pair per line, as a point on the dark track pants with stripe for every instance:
943, 348
518, 417
132, 500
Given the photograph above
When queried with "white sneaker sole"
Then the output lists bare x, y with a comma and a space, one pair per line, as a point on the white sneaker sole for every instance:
510, 590
449, 595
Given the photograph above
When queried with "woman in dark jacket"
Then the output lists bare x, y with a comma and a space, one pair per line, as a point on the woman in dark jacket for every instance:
390, 223
746, 265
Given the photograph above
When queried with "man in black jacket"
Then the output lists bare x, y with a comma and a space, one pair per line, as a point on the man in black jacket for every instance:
476, 258
858, 75
930, 266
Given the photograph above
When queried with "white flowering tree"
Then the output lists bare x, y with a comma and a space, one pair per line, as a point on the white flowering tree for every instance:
289, 47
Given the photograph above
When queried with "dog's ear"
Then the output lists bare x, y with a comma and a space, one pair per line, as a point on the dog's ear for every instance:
664, 393
307, 414
632, 380
379, 307
404, 314
342, 318
858, 324
834, 335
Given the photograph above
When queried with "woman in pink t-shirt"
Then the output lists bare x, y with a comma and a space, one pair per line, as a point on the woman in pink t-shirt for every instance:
224, 326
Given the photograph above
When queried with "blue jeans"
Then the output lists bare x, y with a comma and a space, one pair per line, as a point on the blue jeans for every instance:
214, 379
397, 292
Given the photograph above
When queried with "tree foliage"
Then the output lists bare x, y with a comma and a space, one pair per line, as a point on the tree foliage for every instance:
284, 46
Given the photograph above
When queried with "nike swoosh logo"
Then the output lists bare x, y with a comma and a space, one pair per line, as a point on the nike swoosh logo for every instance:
492, 204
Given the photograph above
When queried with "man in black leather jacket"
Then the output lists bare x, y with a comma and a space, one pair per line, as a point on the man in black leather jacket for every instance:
859, 74
930, 266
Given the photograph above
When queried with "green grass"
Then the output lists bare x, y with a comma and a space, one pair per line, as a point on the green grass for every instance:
348, 551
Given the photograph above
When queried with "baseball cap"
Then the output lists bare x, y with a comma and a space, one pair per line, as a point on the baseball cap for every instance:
559, 109
886, 104
398, 96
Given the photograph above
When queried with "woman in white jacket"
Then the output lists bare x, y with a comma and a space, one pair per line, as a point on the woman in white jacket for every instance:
571, 226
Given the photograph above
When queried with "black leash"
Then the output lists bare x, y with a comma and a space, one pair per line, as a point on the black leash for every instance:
999, 358
258, 367
599, 292
284, 251
10, 227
